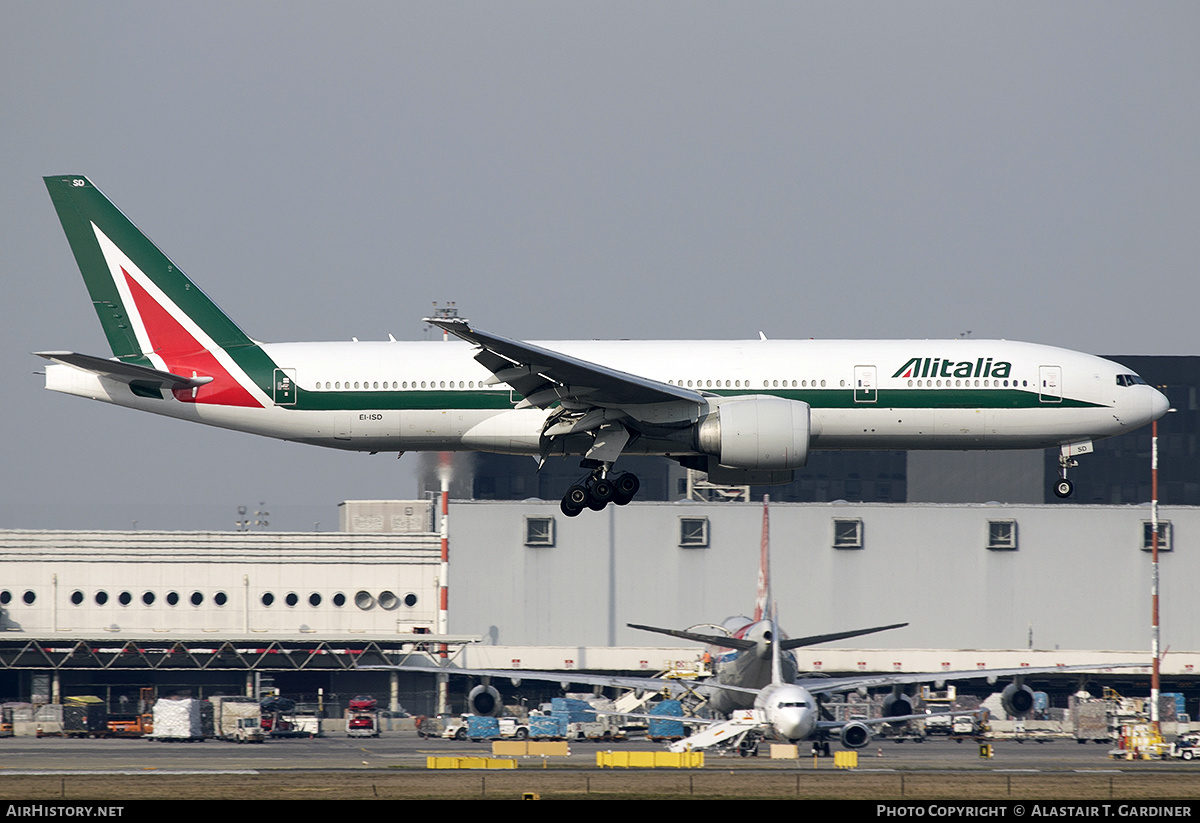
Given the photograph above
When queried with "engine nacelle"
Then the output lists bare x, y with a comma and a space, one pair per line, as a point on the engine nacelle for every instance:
757, 432
483, 700
1017, 700
855, 735
897, 705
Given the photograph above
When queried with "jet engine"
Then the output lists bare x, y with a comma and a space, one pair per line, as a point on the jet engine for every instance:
757, 432
1017, 699
484, 700
897, 705
855, 735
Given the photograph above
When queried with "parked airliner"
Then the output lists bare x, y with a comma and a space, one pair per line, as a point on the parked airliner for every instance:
755, 683
747, 412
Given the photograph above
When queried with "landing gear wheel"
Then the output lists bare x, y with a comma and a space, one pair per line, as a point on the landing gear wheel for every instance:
627, 485
1063, 488
576, 496
603, 491
568, 509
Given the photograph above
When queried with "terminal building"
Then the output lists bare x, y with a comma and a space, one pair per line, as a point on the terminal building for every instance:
202, 613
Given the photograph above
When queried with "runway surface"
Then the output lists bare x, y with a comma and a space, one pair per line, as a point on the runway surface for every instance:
393, 766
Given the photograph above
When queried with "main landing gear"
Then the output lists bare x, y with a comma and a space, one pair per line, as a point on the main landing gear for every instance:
599, 489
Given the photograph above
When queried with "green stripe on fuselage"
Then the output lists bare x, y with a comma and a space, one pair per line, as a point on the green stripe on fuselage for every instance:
400, 399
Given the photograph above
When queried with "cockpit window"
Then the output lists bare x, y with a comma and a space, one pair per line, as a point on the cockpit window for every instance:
1130, 380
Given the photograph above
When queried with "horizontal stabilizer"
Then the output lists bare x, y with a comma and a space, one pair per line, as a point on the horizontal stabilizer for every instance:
722, 640
812, 640
124, 372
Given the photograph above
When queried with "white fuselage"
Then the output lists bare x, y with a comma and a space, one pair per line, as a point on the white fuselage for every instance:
864, 394
790, 710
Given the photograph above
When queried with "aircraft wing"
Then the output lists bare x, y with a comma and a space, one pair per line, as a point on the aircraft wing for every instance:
675, 688
124, 372
840, 685
545, 377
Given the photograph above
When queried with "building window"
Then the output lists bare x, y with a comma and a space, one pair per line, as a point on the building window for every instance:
847, 534
539, 531
693, 532
1002, 535
1164, 536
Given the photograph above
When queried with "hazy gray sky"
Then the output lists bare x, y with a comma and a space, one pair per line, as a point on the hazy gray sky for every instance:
657, 170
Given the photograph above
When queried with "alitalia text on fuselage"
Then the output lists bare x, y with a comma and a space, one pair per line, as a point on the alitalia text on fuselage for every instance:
945, 367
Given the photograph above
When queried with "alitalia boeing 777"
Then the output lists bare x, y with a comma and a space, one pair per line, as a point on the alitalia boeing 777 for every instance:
747, 412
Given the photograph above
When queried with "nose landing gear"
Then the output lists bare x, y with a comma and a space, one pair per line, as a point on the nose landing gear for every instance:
599, 489
1063, 487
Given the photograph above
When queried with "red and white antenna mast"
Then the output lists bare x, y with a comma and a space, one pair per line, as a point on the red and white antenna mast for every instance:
763, 600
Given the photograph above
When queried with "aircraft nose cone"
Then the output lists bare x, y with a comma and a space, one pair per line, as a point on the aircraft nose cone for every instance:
795, 724
1159, 404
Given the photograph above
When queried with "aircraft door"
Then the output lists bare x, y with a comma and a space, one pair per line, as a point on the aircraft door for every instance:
1050, 384
864, 384
285, 387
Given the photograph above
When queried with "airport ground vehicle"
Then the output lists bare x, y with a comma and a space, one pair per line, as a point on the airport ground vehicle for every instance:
1185, 748
249, 730
362, 718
